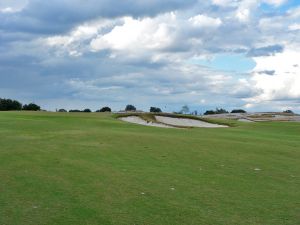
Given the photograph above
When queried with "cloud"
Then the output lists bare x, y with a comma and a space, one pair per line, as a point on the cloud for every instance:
276, 87
265, 51
7, 10
205, 21
12, 5
285, 80
237, 3
282, 62
275, 2
294, 27
140, 37
136, 34
225, 3
57, 16
268, 72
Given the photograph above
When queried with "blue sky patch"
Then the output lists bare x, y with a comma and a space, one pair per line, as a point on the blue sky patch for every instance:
228, 62
280, 9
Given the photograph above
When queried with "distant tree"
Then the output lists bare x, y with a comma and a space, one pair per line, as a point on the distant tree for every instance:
31, 107
238, 111
288, 111
9, 104
185, 109
87, 110
104, 109
62, 110
209, 112
130, 108
155, 110
74, 110
221, 111
217, 111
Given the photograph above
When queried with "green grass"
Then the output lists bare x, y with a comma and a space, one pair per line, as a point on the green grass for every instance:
80, 168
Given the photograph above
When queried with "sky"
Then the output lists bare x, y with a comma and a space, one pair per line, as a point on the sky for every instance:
77, 54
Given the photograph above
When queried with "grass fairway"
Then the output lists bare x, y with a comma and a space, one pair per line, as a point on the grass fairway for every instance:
85, 169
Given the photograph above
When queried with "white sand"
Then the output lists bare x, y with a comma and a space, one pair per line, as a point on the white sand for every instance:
186, 122
170, 122
138, 120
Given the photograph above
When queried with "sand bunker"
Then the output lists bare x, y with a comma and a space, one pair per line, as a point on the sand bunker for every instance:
257, 117
138, 120
185, 122
170, 122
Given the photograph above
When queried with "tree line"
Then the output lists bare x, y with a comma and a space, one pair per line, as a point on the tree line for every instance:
103, 109
128, 108
185, 110
14, 105
222, 111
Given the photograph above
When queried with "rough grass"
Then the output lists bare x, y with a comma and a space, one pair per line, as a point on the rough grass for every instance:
66, 169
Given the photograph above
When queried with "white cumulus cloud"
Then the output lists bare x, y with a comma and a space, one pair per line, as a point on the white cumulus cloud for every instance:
136, 34
205, 21
284, 83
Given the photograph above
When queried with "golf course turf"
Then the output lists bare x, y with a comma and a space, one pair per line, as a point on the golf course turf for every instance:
91, 168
